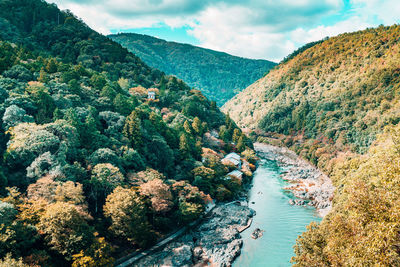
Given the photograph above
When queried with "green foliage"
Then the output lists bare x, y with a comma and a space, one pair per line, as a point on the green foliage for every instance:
219, 75
132, 130
76, 126
7, 213
320, 93
364, 224
97, 255
66, 229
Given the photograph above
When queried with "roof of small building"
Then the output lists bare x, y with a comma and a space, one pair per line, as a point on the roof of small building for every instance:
231, 160
233, 155
236, 173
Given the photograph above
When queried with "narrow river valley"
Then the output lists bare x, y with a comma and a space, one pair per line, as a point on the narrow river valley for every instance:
280, 221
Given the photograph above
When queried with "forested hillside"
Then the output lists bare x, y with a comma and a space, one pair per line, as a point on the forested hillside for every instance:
329, 103
99, 152
218, 75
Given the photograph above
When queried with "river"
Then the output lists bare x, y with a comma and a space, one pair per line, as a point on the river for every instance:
281, 221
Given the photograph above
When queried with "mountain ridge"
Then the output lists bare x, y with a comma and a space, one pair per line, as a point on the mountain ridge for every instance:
337, 104
217, 74
100, 154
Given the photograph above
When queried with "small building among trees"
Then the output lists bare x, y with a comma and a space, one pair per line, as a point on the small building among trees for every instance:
152, 93
235, 174
232, 159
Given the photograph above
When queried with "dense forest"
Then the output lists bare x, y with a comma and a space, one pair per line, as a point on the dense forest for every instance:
336, 103
99, 152
218, 75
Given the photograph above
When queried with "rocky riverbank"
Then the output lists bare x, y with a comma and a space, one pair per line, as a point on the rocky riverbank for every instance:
215, 241
308, 184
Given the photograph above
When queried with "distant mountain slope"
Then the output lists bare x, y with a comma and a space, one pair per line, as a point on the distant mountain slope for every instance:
218, 75
345, 88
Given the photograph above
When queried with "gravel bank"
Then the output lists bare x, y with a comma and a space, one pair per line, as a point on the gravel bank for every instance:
308, 184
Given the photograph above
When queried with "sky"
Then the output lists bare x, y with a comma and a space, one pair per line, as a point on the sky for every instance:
259, 29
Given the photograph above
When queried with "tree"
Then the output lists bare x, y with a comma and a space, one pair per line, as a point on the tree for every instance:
27, 142
132, 130
43, 76
89, 133
187, 127
190, 211
240, 146
18, 72
250, 155
104, 155
44, 103
8, 261
197, 126
236, 135
17, 238
98, 81
44, 188
51, 66
70, 192
97, 255
159, 155
46, 163
132, 160
123, 104
66, 229
7, 213
105, 177
159, 194
128, 215
184, 145
14, 115
204, 172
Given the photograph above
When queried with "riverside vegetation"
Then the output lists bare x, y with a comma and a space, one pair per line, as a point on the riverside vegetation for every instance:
218, 75
336, 103
92, 164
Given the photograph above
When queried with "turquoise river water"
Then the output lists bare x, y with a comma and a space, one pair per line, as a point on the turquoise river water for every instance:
281, 222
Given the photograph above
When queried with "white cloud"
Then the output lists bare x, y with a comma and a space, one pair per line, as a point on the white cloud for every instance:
386, 11
228, 29
267, 29
301, 35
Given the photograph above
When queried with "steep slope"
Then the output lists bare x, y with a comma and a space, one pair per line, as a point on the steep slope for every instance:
329, 103
99, 153
344, 89
218, 75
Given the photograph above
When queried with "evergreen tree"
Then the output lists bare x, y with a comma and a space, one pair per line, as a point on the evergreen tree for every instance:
241, 143
184, 145
132, 130
43, 76
51, 66
236, 135
187, 127
197, 126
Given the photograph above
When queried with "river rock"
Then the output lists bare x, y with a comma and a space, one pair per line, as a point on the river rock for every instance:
257, 233
307, 182
216, 240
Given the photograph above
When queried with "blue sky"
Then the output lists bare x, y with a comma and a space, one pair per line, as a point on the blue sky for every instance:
163, 31
267, 29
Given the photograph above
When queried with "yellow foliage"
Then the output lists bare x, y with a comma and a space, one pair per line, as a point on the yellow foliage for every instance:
364, 225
